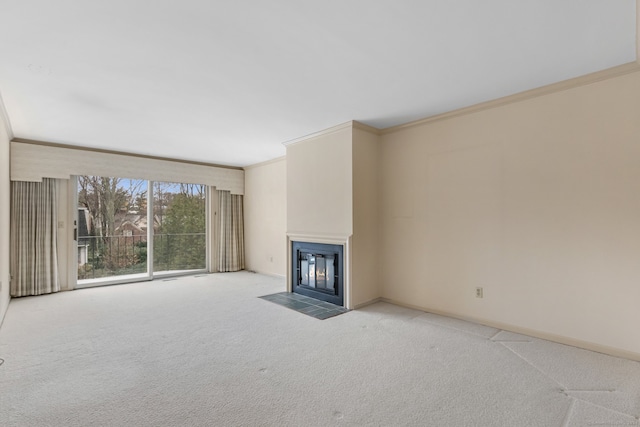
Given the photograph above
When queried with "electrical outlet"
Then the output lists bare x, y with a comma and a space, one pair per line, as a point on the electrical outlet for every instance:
479, 292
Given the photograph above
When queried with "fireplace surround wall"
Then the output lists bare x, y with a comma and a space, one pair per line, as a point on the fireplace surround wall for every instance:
337, 205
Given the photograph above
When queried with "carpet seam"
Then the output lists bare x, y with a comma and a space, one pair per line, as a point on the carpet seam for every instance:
452, 328
534, 366
495, 335
569, 414
566, 391
636, 417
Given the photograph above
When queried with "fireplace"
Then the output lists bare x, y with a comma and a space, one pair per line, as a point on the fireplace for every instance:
318, 270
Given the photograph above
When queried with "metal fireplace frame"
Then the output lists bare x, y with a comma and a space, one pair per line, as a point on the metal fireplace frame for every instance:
320, 249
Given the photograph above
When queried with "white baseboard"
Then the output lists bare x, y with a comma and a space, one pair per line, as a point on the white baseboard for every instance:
264, 273
599, 348
364, 304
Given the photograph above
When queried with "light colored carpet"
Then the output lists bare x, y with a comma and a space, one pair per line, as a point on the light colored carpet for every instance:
205, 351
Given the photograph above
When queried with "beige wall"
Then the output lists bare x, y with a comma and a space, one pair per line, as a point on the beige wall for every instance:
333, 197
535, 201
365, 274
4, 213
319, 185
265, 217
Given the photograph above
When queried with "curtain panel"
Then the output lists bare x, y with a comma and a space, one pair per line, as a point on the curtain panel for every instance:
230, 232
34, 219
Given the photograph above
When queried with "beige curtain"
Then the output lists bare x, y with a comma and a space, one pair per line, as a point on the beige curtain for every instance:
34, 219
230, 232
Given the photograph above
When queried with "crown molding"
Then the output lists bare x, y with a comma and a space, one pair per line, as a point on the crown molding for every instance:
586, 79
121, 153
328, 131
4, 116
266, 162
367, 128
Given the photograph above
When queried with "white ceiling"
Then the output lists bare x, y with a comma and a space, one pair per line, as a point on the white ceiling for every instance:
228, 81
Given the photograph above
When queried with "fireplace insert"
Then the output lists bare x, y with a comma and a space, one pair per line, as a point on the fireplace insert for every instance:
318, 271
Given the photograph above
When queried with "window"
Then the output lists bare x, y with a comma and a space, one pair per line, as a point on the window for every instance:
118, 240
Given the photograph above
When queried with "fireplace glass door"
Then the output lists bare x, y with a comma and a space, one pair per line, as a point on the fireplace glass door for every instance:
318, 271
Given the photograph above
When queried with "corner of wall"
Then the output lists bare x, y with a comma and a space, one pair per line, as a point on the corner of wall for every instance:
265, 210
366, 221
6, 135
638, 31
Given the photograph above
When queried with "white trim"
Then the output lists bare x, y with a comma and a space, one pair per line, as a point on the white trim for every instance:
353, 124
5, 117
526, 331
117, 280
137, 278
207, 228
265, 163
366, 128
334, 129
367, 303
330, 239
178, 273
620, 70
151, 222
266, 273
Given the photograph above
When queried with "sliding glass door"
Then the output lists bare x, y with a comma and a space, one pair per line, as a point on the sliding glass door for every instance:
111, 228
180, 243
129, 229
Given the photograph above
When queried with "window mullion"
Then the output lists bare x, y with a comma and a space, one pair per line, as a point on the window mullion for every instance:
150, 225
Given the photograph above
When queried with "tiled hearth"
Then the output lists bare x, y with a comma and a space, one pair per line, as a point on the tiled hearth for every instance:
305, 305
